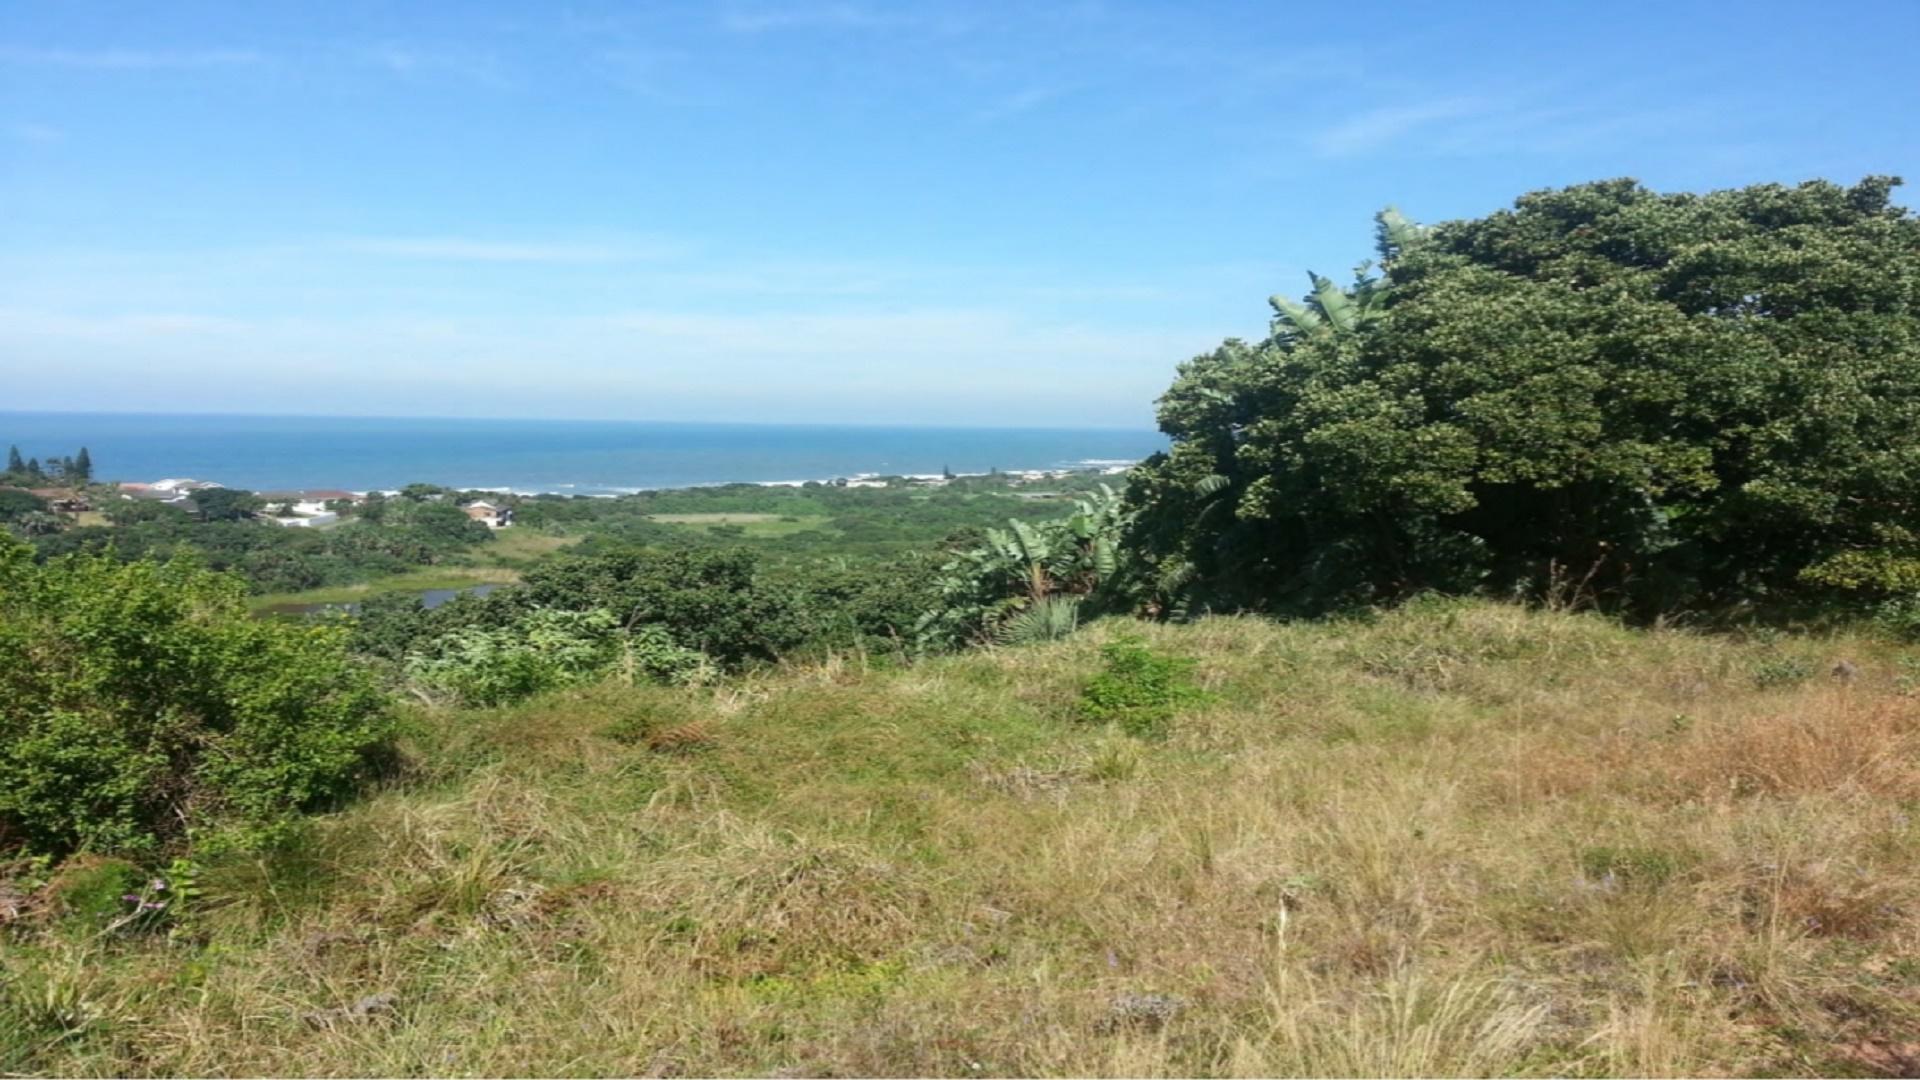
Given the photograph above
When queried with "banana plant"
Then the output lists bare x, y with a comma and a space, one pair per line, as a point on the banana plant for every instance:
1331, 310
1029, 581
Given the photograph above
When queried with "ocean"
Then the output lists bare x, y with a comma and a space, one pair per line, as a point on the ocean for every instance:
582, 457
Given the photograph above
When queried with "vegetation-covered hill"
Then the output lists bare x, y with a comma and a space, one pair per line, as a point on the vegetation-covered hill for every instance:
979, 780
1462, 837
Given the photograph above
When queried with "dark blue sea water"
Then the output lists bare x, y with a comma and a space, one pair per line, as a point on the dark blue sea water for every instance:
569, 456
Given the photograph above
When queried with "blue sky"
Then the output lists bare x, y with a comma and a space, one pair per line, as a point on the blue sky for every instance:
816, 211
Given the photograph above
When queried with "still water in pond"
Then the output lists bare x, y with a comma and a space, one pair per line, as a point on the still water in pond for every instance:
429, 598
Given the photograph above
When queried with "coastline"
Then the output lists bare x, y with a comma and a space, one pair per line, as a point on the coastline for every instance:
559, 457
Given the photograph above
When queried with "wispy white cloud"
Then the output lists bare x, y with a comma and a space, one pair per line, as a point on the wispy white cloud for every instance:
1376, 128
1020, 102
131, 59
422, 62
1539, 120
118, 329
467, 249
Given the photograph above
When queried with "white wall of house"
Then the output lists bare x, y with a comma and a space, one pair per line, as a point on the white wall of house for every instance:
306, 521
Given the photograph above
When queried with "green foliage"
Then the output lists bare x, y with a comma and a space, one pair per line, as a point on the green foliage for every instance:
272, 558
441, 524
542, 650
1139, 690
142, 512
28, 472
1899, 618
1032, 581
649, 652
15, 503
1049, 618
1631, 867
1777, 671
142, 707
713, 602
1655, 400
225, 504
89, 893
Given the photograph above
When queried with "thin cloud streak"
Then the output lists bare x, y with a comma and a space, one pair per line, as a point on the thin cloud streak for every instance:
1376, 128
463, 249
414, 62
832, 17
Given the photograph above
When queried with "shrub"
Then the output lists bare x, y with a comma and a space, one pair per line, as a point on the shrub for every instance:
1139, 690
545, 649
650, 652
142, 706
1777, 671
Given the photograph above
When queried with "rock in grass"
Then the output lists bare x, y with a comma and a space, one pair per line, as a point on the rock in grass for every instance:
1148, 1011
371, 1007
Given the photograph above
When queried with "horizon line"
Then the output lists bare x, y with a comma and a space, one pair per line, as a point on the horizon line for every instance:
577, 420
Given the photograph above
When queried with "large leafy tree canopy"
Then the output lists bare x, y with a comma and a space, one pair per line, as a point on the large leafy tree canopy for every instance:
1664, 399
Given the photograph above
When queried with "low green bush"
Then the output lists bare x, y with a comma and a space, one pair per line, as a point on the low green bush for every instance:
142, 708
1139, 690
543, 650
546, 649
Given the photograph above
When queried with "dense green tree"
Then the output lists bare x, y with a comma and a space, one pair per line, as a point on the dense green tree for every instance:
1665, 398
424, 492
715, 602
226, 504
136, 511
442, 522
83, 466
15, 463
14, 503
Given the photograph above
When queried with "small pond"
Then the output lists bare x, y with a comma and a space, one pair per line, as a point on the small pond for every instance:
429, 598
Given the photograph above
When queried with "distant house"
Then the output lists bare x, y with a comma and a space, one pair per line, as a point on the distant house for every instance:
165, 491
306, 521
184, 486
493, 517
149, 493
306, 509
63, 500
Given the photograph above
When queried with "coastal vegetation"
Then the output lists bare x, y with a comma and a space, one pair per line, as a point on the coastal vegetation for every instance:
1508, 669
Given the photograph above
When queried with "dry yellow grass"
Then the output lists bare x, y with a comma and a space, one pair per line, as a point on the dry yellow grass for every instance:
1461, 839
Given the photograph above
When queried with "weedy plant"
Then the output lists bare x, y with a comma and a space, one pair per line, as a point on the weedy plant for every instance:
1140, 690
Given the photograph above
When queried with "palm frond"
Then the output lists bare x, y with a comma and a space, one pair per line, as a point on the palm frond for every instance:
1050, 619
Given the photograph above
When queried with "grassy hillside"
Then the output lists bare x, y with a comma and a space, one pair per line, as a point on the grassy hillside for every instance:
1463, 838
